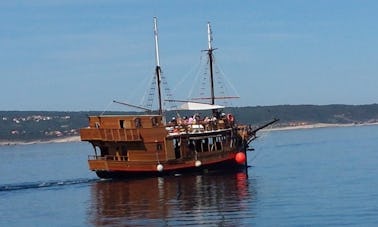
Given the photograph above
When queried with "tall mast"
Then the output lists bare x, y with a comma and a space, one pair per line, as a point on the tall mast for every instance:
158, 69
210, 54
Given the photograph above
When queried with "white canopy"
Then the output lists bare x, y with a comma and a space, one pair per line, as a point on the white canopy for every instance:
199, 106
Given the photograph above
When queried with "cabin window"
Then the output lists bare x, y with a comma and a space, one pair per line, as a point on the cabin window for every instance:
205, 145
177, 146
198, 144
121, 123
159, 147
215, 144
218, 143
234, 141
104, 151
123, 150
154, 121
97, 124
191, 145
95, 149
138, 123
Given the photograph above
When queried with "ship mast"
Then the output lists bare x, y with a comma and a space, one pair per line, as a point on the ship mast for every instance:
158, 69
210, 54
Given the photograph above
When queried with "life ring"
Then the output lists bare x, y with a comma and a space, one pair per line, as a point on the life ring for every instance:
230, 118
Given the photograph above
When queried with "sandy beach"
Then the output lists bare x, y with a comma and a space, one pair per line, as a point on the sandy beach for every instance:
57, 140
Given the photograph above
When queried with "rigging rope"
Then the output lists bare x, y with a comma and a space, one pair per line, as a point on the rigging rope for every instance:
226, 78
106, 108
196, 77
147, 80
185, 77
200, 89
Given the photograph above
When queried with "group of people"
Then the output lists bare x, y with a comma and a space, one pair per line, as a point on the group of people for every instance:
208, 123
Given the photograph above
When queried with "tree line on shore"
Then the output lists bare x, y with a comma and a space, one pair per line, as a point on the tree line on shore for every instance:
45, 125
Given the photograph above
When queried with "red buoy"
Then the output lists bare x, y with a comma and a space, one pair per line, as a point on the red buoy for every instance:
240, 157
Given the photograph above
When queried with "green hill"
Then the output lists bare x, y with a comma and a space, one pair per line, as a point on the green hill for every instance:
45, 125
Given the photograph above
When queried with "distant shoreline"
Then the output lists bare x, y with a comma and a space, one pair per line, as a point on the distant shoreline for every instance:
56, 140
71, 139
317, 125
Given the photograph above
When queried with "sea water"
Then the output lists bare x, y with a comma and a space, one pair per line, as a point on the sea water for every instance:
316, 177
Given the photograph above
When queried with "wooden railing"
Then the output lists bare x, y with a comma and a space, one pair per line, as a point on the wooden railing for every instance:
108, 157
103, 134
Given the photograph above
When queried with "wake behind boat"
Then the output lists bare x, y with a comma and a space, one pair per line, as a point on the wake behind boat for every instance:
147, 145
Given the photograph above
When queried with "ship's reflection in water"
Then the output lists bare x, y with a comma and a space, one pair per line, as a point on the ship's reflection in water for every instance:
183, 200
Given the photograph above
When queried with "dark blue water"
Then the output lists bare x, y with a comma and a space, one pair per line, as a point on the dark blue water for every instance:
311, 177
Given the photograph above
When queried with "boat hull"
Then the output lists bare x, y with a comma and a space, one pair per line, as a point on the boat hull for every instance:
226, 166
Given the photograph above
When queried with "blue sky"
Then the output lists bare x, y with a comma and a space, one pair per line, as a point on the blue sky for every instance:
81, 54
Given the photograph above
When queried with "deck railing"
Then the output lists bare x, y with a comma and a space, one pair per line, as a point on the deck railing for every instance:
108, 157
104, 134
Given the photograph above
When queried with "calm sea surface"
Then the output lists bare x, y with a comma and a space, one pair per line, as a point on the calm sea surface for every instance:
314, 177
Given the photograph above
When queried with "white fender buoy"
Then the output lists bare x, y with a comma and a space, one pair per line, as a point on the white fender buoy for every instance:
160, 167
198, 163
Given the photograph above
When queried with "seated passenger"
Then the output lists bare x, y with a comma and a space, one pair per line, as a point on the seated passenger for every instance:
174, 121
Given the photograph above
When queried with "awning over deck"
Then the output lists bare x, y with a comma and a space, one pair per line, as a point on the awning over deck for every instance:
199, 106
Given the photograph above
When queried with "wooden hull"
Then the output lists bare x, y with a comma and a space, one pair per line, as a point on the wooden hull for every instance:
123, 170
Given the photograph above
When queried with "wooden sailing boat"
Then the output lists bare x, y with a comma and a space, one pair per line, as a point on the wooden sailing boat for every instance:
145, 145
